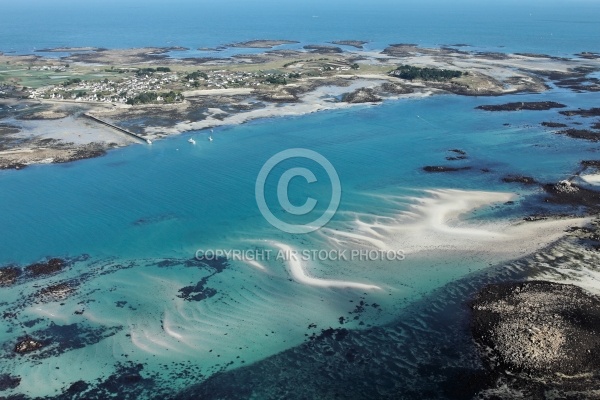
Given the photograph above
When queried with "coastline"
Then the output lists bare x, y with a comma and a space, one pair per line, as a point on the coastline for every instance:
322, 85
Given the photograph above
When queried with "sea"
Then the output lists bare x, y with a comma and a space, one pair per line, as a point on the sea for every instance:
159, 306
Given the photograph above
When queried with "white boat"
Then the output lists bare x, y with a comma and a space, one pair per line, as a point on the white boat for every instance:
192, 141
148, 141
210, 139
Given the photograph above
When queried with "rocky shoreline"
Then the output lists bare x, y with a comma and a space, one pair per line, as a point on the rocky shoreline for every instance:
539, 334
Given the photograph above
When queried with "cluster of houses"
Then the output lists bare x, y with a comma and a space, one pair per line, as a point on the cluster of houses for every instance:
107, 90
120, 91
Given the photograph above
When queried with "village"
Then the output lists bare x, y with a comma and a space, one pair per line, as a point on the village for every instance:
162, 85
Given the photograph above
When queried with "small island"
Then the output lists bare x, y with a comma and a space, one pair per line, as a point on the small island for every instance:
353, 43
262, 44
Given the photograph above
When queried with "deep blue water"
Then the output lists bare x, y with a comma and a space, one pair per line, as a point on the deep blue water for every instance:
555, 27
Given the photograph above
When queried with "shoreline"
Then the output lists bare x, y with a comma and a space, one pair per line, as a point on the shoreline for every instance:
333, 81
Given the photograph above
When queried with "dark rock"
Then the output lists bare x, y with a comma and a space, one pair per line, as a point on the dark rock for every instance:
540, 328
82, 153
197, 292
461, 155
45, 268
592, 112
589, 55
9, 382
533, 218
56, 292
58, 339
554, 125
526, 180
200, 291
576, 79
565, 187
77, 387
9, 275
585, 134
126, 383
458, 151
15, 165
331, 333
27, 345
590, 163
443, 168
517, 106
565, 192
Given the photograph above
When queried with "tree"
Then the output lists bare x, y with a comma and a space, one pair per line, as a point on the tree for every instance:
410, 72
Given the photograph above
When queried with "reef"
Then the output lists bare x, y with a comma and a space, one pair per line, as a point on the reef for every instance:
522, 105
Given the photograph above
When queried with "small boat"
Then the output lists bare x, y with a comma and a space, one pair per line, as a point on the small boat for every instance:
192, 141
148, 141
210, 139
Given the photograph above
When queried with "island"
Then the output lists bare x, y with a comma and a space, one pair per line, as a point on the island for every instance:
262, 44
60, 108
354, 43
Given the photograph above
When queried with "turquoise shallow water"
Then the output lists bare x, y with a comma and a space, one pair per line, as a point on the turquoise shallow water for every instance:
140, 213
166, 199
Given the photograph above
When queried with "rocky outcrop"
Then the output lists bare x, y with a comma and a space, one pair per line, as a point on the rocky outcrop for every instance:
56, 292
586, 134
565, 192
539, 328
526, 180
443, 168
458, 155
565, 187
45, 268
27, 345
9, 275
588, 55
592, 112
554, 125
522, 105
362, 95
